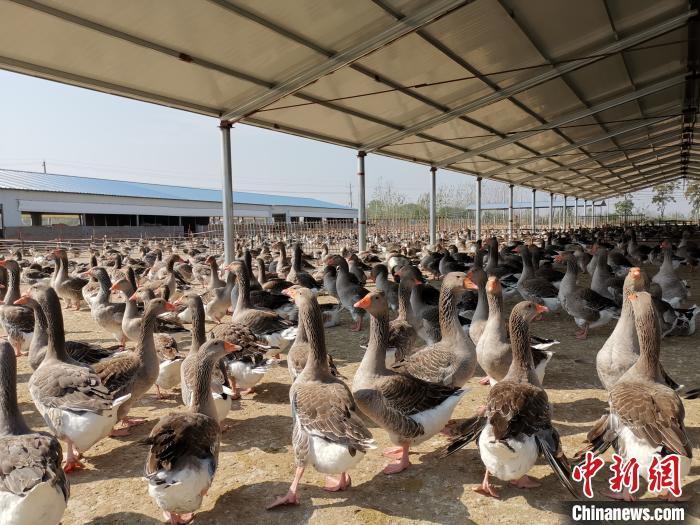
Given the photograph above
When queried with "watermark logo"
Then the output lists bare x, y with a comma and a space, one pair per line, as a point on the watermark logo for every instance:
663, 474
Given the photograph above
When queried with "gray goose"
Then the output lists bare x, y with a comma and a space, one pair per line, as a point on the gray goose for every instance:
476, 280
380, 274
621, 350
80, 351
402, 335
68, 288
493, 351
673, 289
33, 487
409, 409
77, 407
533, 288
588, 308
328, 430
18, 321
184, 446
298, 353
645, 419
452, 360
134, 372
220, 386
516, 426
107, 315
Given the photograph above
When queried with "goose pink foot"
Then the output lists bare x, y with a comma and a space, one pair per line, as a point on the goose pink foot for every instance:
624, 495
401, 464
486, 380
336, 485
291, 498
393, 452
526, 482
486, 489
178, 519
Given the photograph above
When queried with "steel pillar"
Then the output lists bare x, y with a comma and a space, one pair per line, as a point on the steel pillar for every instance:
551, 211
533, 213
510, 212
576, 213
227, 189
478, 208
433, 211
361, 210
563, 215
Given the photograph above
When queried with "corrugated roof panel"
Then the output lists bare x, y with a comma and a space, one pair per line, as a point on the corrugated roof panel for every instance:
31, 181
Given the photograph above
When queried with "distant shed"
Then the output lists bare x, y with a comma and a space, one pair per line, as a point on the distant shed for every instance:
105, 202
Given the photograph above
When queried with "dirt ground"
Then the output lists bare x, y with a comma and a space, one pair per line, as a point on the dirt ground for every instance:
256, 462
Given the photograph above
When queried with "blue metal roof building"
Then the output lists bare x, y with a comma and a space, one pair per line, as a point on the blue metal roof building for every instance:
36, 193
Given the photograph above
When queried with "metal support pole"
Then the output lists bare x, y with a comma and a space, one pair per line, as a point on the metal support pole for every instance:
478, 208
576, 213
533, 216
551, 211
563, 215
433, 218
361, 210
227, 190
593, 214
510, 212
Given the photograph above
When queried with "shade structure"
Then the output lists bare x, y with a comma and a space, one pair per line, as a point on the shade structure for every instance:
593, 98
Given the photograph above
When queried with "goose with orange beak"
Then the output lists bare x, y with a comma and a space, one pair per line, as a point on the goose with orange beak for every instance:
411, 410
515, 427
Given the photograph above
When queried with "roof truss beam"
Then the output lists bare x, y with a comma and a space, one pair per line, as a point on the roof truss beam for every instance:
566, 119
555, 72
429, 13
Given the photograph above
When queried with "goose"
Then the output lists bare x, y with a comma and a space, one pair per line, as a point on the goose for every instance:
74, 402
328, 432
220, 386
17, 321
452, 360
92, 287
493, 351
183, 449
350, 293
299, 351
646, 417
380, 274
220, 300
588, 308
516, 426
621, 350
68, 288
134, 371
263, 323
272, 285
107, 315
214, 280
33, 487
80, 351
296, 274
402, 334
476, 280
410, 409
533, 288
673, 289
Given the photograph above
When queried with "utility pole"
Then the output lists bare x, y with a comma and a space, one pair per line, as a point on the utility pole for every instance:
351, 194
44, 164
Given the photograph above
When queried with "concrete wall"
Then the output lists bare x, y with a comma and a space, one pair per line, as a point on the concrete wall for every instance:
49, 233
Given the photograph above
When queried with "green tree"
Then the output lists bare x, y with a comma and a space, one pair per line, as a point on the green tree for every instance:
663, 195
625, 206
692, 193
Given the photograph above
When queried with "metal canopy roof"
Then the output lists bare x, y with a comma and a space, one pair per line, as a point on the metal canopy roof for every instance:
588, 99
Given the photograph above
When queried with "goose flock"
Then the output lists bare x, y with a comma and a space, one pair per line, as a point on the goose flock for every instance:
436, 316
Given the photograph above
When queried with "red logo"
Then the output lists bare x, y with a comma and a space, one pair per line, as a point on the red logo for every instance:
665, 474
586, 471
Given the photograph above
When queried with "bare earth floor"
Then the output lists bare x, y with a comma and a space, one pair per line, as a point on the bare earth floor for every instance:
256, 461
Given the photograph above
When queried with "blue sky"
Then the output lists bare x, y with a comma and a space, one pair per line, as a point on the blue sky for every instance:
82, 132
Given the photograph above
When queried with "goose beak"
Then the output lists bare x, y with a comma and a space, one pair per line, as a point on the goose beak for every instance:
230, 347
170, 307
179, 301
24, 299
633, 297
364, 302
636, 273
114, 287
289, 292
540, 309
2, 262
469, 284
85, 274
134, 297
